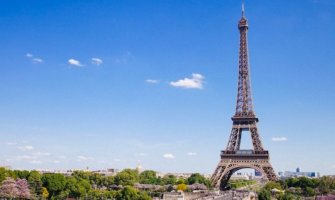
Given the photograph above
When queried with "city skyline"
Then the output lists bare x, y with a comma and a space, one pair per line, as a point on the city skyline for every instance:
111, 84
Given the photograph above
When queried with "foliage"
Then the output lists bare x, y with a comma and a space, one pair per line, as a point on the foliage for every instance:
127, 177
169, 180
45, 193
182, 187
264, 194
130, 193
198, 178
35, 183
309, 192
8, 188
271, 185
287, 196
240, 183
148, 177
23, 189
54, 182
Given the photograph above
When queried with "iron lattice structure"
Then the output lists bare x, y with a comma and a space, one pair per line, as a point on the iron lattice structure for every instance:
233, 158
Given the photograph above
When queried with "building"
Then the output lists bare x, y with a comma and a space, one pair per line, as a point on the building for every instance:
299, 173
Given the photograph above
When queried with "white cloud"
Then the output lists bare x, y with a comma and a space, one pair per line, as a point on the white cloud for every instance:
194, 82
37, 60
21, 158
84, 158
153, 81
34, 59
192, 154
75, 62
26, 148
279, 139
29, 55
36, 162
96, 61
11, 143
41, 154
168, 156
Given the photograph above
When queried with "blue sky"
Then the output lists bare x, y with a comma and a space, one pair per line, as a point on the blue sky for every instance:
102, 83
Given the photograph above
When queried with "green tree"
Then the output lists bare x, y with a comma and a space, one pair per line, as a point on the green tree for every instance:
55, 183
264, 194
271, 185
198, 178
126, 177
128, 193
35, 183
286, 196
148, 177
169, 180
309, 192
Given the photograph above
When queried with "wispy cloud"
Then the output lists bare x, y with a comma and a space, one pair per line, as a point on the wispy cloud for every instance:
26, 148
194, 82
75, 62
34, 59
152, 81
29, 55
35, 162
41, 154
96, 61
168, 156
84, 158
37, 60
11, 143
192, 154
279, 139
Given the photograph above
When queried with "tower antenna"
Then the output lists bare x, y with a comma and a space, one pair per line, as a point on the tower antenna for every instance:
242, 8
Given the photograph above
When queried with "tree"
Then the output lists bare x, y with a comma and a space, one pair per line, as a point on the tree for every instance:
325, 184
126, 177
271, 185
55, 183
22, 174
148, 177
309, 192
45, 193
127, 193
182, 187
286, 196
23, 189
169, 180
77, 188
35, 183
8, 189
264, 194
198, 178
3, 174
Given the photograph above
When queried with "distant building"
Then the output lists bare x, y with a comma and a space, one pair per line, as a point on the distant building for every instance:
298, 173
173, 196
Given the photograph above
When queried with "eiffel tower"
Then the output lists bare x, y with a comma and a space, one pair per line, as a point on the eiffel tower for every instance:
233, 158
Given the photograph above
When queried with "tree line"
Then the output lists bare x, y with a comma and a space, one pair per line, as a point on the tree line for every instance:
23, 184
294, 188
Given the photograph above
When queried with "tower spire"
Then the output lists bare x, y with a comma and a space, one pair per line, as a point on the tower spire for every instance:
242, 8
